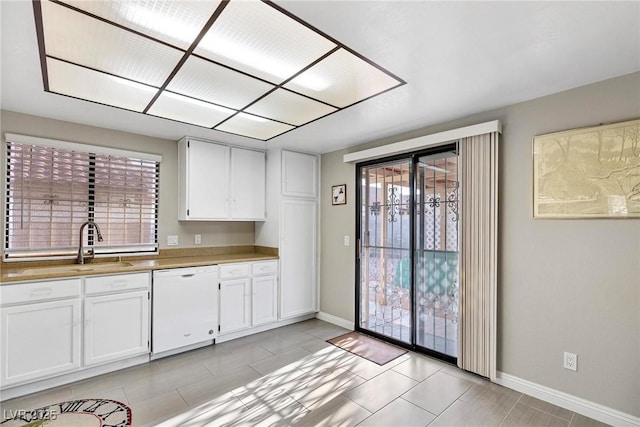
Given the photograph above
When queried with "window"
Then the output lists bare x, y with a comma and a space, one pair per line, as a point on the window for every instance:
52, 187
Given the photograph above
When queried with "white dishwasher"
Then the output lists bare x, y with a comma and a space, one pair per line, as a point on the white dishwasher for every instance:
185, 307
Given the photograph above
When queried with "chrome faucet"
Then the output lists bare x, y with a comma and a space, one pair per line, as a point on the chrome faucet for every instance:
81, 256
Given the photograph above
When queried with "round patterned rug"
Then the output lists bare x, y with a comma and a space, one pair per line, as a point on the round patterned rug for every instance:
73, 413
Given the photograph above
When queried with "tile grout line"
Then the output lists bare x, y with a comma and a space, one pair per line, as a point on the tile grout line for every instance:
545, 412
510, 410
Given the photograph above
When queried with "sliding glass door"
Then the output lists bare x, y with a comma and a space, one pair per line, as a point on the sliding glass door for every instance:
436, 253
385, 249
408, 251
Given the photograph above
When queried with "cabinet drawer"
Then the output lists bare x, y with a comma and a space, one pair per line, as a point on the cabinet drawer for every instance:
228, 271
39, 291
119, 282
265, 268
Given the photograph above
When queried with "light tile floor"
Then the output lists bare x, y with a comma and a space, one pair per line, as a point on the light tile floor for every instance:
292, 376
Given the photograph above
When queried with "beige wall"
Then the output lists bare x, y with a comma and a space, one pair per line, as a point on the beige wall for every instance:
564, 285
213, 233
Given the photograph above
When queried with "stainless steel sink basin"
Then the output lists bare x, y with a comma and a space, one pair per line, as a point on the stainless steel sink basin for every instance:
77, 268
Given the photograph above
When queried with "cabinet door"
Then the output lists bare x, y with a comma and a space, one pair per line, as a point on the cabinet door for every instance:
298, 258
235, 305
264, 306
116, 327
299, 174
207, 181
247, 184
40, 340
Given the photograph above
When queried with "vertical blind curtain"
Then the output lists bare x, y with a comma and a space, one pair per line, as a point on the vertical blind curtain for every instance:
50, 192
478, 256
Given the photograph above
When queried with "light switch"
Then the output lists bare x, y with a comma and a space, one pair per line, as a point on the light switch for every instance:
172, 240
347, 241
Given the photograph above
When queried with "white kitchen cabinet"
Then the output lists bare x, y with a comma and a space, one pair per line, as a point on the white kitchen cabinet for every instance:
247, 184
235, 304
185, 307
299, 174
298, 258
40, 339
219, 182
264, 292
248, 295
116, 317
203, 180
291, 226
116, 327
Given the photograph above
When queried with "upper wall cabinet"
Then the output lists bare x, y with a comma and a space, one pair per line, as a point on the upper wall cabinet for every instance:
299, 174
220, 183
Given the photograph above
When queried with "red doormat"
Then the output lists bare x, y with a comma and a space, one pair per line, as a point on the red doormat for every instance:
369, 348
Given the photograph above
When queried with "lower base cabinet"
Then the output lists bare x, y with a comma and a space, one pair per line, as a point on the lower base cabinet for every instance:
115, 327
45, 332
264, 303
40, 340
235, 305
251, 298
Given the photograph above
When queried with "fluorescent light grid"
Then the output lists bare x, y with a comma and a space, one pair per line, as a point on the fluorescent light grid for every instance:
79, 82
210, 82
253, 37
176, 22
83, 40
342, 79
259, 31
253, 127
289, 107
183, 109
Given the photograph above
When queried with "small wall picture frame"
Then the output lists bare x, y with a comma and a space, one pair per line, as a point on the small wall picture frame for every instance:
339, 194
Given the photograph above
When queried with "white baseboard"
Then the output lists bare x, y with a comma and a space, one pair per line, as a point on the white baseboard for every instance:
564, 400
243, 333
155, 356
339, 321
81, 374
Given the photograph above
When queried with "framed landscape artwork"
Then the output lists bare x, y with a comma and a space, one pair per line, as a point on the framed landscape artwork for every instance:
588, 173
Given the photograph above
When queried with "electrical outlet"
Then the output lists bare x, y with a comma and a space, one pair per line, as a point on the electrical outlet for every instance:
172, 240
570, 361
198, 239
347, 241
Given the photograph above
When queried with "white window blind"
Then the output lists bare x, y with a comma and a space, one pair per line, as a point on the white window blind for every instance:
51, 191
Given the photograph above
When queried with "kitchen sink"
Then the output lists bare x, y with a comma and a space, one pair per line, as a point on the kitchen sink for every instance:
77, 268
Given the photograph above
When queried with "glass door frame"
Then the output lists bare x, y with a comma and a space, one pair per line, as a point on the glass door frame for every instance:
412, 157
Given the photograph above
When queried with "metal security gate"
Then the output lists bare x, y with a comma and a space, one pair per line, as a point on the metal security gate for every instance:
407, 284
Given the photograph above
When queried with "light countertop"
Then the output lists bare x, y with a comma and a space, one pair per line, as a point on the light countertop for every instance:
24, 272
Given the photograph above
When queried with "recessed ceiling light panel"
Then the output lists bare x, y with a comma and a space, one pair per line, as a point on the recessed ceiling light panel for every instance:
290, 107
80, 39
79, 82
253, 37
253, 126
177, 22
213, 83
246, 67
342, 79
177, 107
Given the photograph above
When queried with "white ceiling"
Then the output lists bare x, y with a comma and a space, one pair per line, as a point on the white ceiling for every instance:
458, 58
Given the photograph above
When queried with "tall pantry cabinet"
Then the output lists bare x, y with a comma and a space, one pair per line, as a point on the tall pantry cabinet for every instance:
292, 226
